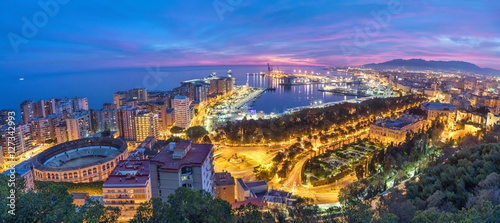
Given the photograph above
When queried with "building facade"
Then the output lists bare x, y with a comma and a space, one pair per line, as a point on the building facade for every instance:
78, 125
182, 111
21, 138
105, 119
43, 129
224, 186
146, 124
182, 165
126, 122
127, 187
395, 131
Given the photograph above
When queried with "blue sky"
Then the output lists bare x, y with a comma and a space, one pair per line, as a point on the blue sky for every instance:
88, 35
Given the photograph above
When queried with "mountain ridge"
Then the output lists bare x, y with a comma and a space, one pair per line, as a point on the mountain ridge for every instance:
433, 65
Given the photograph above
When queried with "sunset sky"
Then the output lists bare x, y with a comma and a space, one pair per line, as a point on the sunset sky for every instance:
87, 35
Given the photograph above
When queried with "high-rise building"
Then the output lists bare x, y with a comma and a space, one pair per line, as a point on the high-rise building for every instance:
168, 118
117, 97
181, 165
70, 105
201, 90
140, 94
124, 97
146, 124
126, 122
221, 85
20, 137
78, 125
4, 116
43, 129
127, 187
182, 112
155, 107
105, 119
80, 104
188, 88
64, 107
61, 132
35, 109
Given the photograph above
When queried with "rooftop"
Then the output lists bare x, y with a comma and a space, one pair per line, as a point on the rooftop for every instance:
223, 179
180, 97
438, 106
401, 122
129, 173
192, 155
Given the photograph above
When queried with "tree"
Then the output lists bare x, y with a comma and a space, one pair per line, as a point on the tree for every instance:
248, 214
153, 211
185, 205
206, 140
51, 203
95, 212
354, 209
106, 133
359, 171
197, 132
176, 130
484, 213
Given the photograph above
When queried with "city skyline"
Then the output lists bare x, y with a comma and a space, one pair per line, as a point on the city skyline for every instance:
114, 35
250, 111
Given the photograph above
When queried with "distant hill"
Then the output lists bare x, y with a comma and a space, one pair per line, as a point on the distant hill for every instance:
433, 65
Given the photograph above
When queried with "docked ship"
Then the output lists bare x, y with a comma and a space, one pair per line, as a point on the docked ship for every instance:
344, 90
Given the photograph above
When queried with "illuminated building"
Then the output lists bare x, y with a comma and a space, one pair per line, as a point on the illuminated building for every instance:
43, 129
126, 122
182, 165
127, 187
394, 131
21, 139
78, 125
146, 124
224, 186
182, 111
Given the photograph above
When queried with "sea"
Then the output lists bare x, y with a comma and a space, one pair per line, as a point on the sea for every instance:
98, 86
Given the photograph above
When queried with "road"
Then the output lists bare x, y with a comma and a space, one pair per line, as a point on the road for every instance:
263, 155
26, 156
252, 157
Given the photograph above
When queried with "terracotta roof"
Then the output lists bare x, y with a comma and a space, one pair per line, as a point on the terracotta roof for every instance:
223, 179
129, 173
196, 155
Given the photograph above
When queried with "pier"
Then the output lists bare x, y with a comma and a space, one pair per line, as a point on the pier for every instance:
358, 100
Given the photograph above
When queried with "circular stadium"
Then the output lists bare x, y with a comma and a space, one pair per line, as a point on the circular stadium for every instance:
82, 160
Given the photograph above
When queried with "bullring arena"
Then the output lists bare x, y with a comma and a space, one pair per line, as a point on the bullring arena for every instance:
82, 160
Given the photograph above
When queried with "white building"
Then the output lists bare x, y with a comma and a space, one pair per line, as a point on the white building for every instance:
21, 139
182, 111
78, 125
182, 165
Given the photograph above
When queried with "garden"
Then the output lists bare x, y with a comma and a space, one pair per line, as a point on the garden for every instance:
335, 164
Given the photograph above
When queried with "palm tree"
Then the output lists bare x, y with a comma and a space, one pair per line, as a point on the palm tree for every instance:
400, 176
378, 182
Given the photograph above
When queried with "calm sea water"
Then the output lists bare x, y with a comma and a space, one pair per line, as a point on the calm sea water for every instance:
99, 86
